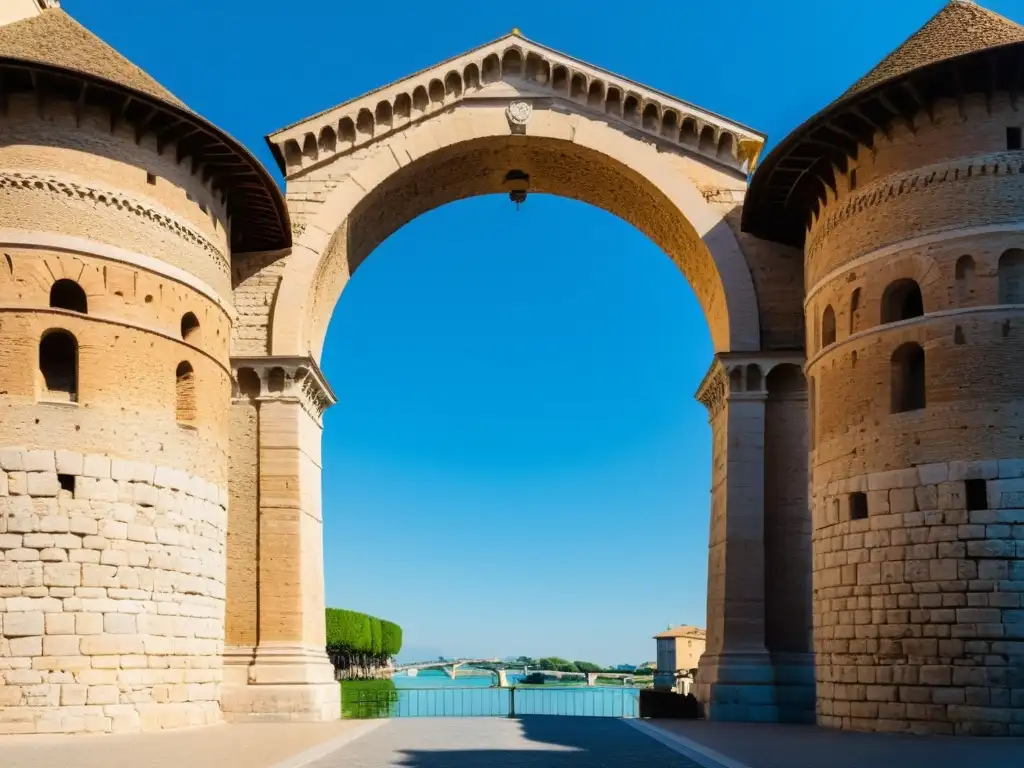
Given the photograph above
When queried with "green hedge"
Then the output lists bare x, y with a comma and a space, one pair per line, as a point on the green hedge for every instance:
360, 633
391, 638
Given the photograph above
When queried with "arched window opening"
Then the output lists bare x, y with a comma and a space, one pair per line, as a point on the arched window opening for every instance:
651, 118
452, 85
275, 380
347, 130
726, 146
190, 331
902, 301
537, 69
248, 383
419, 99
67, 294
471, 77
185, 394
707, 139
492, 69
854, 309
58, 365
828, 326
512, 63
908, 378
1011, 277
964, 279
736, 379
560, 79
384, 114
670, 124
753, 378
364, 123
688, 131
631, 108
595, 96
436, 92
328, 140
403, 106
613, 102
578, 86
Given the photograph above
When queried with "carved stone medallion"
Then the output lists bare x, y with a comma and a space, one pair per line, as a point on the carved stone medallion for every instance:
518, 114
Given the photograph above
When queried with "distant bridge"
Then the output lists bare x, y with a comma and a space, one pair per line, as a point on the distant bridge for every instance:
449, 666
501, 669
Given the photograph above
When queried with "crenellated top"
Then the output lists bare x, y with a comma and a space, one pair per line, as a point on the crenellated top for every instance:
512, 65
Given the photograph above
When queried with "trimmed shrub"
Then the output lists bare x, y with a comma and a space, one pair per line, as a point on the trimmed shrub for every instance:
349, 630
391, 638
376, 644
359, 645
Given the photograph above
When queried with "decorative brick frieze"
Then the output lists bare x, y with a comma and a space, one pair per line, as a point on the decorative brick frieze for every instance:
69, 188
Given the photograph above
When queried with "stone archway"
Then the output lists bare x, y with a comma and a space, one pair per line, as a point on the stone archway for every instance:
470, 151
509, 117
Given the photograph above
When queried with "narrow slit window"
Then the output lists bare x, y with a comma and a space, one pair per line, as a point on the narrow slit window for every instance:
977, 494
858, 506
1013, 137
151, 178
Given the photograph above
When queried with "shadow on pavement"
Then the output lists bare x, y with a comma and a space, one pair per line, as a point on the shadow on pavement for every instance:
572, 742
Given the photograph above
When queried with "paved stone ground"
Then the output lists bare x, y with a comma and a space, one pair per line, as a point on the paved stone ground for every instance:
807, 746
264, 745
529, 742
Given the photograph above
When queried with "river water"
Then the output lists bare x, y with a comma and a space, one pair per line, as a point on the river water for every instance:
434, 694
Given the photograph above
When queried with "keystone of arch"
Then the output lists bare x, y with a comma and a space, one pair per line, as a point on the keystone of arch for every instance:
306, 298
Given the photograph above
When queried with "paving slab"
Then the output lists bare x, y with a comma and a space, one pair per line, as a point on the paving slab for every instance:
247, 745
526, 742
752, 745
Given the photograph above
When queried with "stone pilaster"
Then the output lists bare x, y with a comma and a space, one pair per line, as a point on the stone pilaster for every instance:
737, 678
287, 673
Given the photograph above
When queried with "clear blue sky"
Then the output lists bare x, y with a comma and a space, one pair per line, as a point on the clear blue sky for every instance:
501, 375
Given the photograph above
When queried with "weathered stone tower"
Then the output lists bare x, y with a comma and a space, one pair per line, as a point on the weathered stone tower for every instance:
907, 196
119, 212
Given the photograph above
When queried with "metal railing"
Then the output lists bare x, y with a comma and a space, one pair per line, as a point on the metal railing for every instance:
495, 702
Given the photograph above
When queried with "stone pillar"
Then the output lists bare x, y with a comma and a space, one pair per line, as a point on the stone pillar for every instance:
288, 675
736, 679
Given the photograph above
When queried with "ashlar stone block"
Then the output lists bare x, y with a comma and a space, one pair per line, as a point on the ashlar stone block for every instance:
12, 459
69, 462
40, 461
24, 624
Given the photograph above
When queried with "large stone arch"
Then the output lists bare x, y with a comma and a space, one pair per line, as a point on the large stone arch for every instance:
511, 116
467, 151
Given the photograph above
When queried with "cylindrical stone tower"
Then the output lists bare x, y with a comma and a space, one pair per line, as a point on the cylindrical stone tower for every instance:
119, 213
907, 195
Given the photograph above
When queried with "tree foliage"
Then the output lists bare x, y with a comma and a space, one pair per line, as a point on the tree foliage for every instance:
391, 638
357, 643
556, 664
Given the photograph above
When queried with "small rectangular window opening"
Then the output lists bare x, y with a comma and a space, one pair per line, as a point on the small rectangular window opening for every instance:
67, 482
853, 179
858, 506
151, 178
977, 494
1013, 138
